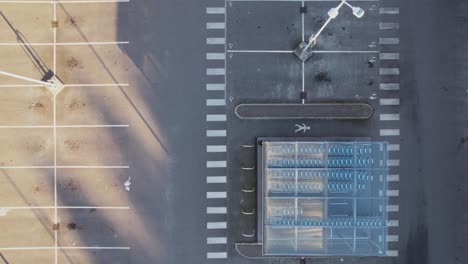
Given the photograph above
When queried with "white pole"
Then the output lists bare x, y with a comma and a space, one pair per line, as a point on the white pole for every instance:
24, 78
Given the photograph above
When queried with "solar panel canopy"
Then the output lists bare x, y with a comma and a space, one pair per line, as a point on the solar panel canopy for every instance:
323, 198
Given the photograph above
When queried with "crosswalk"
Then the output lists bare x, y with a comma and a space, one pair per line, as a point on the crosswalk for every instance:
216, 124
389, 118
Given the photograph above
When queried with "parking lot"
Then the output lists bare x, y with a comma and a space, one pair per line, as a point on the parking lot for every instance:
353, 62
65, 166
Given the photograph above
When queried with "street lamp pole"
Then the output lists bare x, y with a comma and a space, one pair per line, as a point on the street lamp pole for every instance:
304, 50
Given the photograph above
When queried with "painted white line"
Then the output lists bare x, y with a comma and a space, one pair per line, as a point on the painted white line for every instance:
389, 117
52, 248
389, 101
215, 25
387, 25
216, 179
389, 71
64, 167
66, 43
393, 147
389, 10
389, 56
392, 253
389, 86
392, 238
393, 162
97, 85
216, 148
216, 195
216, 225
393, 223
215, 41
393, 193
389, 41
215, 56
302, 0
61, 1
215, 87
215, 102
393, 177
216, 210
216, 164
216, 133
346, 51
216, 255
393, 208
20, 85
215, 118
63, 126
216, 240
215, 71
389, 132
65, 207
215, 10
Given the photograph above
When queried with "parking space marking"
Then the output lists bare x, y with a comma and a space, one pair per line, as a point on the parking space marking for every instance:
393, 147
63, 248
96, 43
389, 101
66, 167
389, 71
389, 11
389, 86
216, 164
389, 117
389, 56
216, 148
65, 207
216, 255
389, 132
216, 179
215, 118
62, 126
389, 25
215, 102
215, 10
216, 240
216, 133
215, 56
393, 177
215, 87
215, 25
216, 210
216, 225
215, 71
216, 195
389, 41
215, 41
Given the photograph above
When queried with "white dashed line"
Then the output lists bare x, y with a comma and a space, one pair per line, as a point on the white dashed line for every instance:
215, 102
216, 225
386, 26
393, 208
216, 133
216, 240
393, 193
215, 41
215, 10
216, 195
389, 10
389, 71
216, 210
215, 118
393, 147
215, 25
389, 56
392, 253
216, 255
389, 41
389, 101
389, 117
393, 223
216, 164
389, 86
393, 177
389, 132
215, 71
215, 87
215, 56
393, 162
216, 179
392, 238
216, 148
